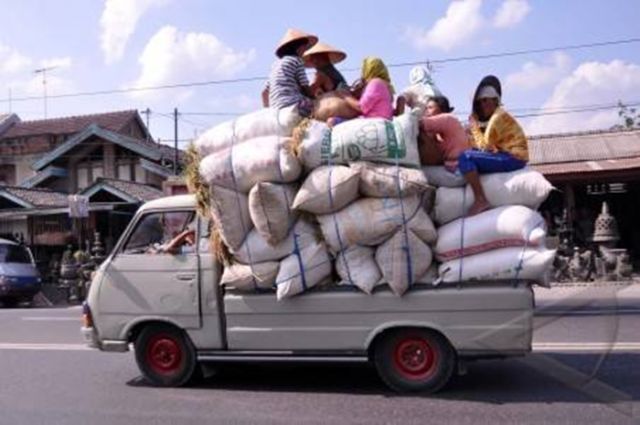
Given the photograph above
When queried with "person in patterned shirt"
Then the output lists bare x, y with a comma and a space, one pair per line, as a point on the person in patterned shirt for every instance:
288, 83
499, 143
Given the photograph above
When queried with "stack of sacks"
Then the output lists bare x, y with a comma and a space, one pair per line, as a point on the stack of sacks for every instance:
353, 197
505, 242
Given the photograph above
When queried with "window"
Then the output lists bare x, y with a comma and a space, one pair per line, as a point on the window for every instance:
124, 172
83, 177
155, 231
98, 171
14, 254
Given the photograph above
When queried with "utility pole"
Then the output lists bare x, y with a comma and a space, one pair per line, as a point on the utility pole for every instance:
175, 141
43, 71
10, 100
147, 113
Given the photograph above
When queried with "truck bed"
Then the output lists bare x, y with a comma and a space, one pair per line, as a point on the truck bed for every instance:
487, 318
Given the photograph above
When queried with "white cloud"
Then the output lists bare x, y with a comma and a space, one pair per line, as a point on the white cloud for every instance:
172, 57
118, 22
12, 61
511, 13
64, 62
591, 83
461, 22
534, 76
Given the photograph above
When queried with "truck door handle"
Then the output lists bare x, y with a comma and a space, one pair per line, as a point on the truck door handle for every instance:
185, 276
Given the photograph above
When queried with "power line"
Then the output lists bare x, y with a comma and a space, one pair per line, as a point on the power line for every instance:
390, 65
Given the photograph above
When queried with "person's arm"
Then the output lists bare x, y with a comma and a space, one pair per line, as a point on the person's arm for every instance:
265, 97
302, 80
478, 138
401, 102
174, 245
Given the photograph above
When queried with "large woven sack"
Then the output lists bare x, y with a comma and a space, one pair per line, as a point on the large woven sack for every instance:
357, 266
331, 105
523, 187
430, 277
316, 145
327, 189
390, 181
403, 259
367, 221
501, 264
377, 140
300, 272
501, 227
264, 122
441, 177
422, 226
271, 211
245, 277
256, 249
257, 160
230, 212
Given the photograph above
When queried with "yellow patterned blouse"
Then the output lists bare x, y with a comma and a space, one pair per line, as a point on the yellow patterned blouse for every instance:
503, 133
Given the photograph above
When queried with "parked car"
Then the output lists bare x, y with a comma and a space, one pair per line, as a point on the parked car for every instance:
19, 277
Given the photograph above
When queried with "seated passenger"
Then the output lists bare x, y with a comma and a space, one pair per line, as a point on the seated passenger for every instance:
442, 138
288, 84
323, 57
499, 141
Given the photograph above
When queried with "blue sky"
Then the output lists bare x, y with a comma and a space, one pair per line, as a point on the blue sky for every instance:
126, 43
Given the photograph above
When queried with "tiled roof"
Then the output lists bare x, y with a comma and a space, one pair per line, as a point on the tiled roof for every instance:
585, 146
114, 121
139, 191
37, 197
580, 167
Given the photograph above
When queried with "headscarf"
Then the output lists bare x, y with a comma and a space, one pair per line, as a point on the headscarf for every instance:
373, 67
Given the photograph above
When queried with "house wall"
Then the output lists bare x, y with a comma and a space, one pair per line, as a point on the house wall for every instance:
14, 225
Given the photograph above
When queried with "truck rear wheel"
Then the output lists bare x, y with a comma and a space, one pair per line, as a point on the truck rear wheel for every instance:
414, 360
165, 355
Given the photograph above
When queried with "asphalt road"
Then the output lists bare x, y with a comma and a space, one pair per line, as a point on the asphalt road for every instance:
585, 370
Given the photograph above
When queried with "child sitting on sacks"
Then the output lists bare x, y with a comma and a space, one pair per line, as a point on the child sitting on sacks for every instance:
288, 83
499, 141
372, 95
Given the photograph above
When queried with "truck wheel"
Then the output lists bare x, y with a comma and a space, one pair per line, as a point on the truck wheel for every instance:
165, 355
414, 360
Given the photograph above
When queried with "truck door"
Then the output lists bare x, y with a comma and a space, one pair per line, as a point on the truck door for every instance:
156, 271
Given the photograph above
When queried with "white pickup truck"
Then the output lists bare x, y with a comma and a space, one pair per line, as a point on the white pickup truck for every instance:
171, 307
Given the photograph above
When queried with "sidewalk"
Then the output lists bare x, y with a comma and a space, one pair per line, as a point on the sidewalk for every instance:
622, 296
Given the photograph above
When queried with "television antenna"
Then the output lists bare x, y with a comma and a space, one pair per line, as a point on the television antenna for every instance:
43, 72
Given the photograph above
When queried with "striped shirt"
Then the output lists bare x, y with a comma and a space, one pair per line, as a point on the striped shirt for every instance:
285, 82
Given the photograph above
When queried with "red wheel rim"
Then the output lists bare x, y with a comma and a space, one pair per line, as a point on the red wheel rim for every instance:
414, 358
163, 354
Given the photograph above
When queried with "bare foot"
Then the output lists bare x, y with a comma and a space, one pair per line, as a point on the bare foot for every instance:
478, 207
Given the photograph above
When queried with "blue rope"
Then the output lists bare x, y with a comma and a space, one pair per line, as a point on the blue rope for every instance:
462, 223
406, 248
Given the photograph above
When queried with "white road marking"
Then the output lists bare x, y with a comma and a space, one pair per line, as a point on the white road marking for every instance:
52, 319
594, 347
43, 347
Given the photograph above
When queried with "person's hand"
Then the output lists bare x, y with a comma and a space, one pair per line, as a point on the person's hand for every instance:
473, 121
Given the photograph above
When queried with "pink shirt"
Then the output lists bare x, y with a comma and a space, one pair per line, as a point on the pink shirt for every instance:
376, 100
452, 139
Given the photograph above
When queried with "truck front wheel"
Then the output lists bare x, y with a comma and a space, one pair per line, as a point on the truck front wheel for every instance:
165, 355
414, 360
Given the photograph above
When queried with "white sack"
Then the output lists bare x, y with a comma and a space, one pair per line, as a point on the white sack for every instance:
271, 211
523, 187
264, 122
230, 213
423, 227
390, 181
250, 277
501, 227
430, 276
367, 221
256, 249
403, 259
316, 145
501, 264
314, 194
439, 176
357, 266
377, 140
257, 160
316, 267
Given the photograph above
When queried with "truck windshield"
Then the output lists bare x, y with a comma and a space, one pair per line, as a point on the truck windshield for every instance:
14, 254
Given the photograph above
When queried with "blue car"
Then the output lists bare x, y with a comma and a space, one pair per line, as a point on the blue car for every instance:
19, 278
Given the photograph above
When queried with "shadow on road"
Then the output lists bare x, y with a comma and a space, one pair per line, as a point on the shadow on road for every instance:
489, 381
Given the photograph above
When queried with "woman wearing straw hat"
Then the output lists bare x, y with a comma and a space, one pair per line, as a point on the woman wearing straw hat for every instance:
323, 57
500, 143
288, 84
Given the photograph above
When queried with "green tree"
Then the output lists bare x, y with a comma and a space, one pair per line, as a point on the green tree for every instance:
630, 117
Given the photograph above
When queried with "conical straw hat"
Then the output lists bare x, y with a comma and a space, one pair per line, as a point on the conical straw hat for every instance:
294, 35
335, 55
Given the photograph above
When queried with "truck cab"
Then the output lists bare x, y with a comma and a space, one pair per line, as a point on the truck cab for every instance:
168, 304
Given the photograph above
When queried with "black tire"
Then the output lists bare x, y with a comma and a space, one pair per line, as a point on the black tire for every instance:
414, 359
165, 355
